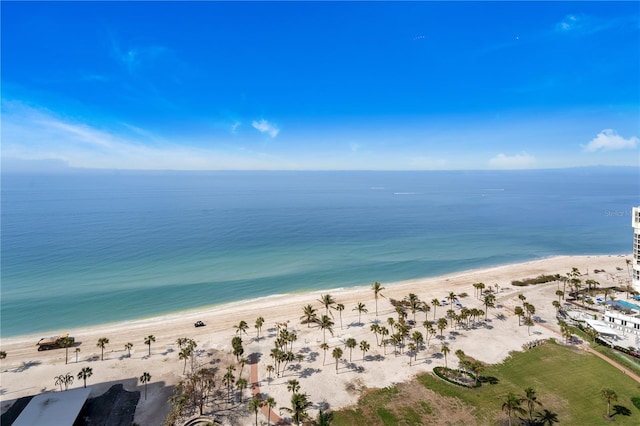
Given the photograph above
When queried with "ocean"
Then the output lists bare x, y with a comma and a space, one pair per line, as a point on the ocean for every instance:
88, 248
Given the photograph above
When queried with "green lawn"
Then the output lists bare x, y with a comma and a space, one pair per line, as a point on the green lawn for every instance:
567, 382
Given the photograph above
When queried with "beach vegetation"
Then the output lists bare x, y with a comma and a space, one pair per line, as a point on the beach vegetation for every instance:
337, 354
241, 384
66, 343
148, 340
364, 347
377, 292
309, 315
254, 405
540, 279
144, 379
102, 342
84, 374
242, 327
327, 301
127, 347
258, 326
3, 354
350, 344
360, 307
325, 323
270, 403
339, 307
299, 405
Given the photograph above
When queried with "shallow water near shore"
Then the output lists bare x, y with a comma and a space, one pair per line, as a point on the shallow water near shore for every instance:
94, 247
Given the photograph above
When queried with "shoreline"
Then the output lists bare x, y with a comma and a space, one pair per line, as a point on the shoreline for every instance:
26, 371
206, 310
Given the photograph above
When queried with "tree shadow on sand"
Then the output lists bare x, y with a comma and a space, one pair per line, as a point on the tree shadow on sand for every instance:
25, 366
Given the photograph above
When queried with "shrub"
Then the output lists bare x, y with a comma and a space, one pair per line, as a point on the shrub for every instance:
446, 373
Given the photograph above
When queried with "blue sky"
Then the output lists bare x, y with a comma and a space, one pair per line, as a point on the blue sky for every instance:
317, 86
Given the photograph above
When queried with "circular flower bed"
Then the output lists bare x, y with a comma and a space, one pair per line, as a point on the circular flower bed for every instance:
457, 377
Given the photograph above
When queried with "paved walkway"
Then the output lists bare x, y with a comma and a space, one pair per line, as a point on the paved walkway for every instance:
255, 389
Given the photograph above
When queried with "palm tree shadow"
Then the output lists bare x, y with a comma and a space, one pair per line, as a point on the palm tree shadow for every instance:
620, 410
25, 366
489, 379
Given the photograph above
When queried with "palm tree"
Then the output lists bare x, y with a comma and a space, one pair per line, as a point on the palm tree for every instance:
546, 417
375, 329
435, 302
258, 326
299, 405
452, 297
560, 294
327, 301
325, 324
127, 347
228, 380
65, 343
609, 395
377, 289
351, 343
384, 332
293, 386
532, 400
529, 323
556, 305
242, 327
340, 307
144, 379
489, 302
270, 370
241, 384
84, 374
184, 354
337, 354
148, 340
445, 350
442, 324
519, 312
512, 405
364, 347
360, 308
101, 344
324, 348
59, 380
414, 304
424, 307
77, 351
309, 315
270, 403
254, 405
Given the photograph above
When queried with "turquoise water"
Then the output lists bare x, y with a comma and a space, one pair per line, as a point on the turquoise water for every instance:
89, 248
626, 304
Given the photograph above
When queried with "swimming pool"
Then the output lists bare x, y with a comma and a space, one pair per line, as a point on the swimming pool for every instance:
624, 304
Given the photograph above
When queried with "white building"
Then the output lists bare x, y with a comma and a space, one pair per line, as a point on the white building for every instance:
620, 321
635, 222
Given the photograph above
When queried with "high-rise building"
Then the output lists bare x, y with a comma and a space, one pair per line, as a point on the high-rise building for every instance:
635, 222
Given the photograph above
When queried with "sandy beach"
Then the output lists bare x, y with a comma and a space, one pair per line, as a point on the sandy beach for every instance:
25, 371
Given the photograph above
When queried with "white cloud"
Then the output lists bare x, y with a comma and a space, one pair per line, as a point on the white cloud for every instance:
265, 127
569, 23
37, 135
518, 161
609, 140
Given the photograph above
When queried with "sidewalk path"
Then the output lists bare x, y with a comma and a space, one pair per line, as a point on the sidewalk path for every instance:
255, 388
